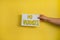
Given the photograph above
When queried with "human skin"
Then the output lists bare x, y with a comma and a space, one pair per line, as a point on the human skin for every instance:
55, 21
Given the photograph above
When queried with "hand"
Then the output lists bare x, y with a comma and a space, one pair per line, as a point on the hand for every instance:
44, 18
55, 21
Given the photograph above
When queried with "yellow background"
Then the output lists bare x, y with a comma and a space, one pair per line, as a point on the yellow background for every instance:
10, 17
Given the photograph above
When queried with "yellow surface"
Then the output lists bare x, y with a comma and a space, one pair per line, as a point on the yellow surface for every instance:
10, 11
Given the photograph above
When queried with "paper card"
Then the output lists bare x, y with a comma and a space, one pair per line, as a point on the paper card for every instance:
30, 20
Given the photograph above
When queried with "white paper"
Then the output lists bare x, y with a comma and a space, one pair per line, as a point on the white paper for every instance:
30, 20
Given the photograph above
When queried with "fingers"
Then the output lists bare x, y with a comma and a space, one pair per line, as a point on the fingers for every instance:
40, 17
